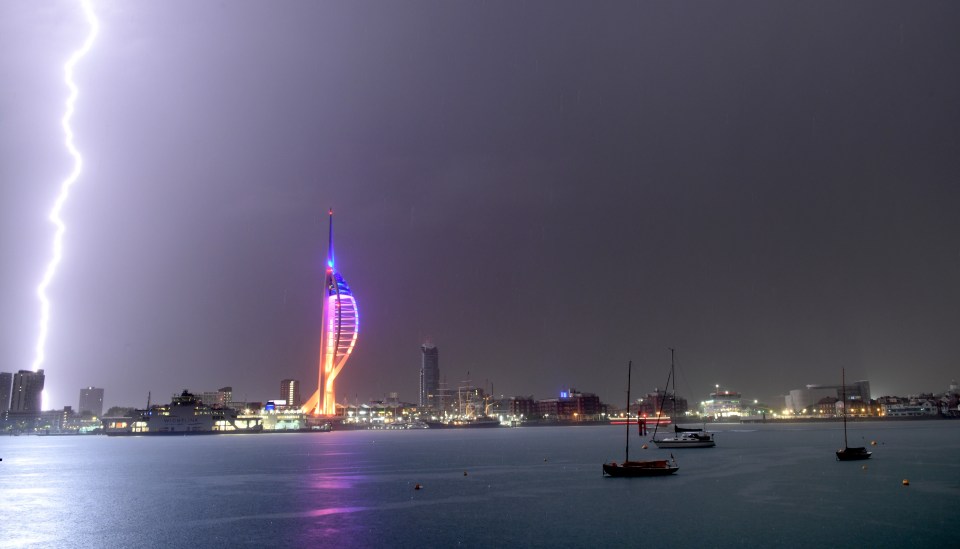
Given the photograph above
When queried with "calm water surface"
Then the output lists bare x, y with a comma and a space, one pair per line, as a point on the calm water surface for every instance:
763, 485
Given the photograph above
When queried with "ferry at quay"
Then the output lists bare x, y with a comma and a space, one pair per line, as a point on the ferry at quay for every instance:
186, 415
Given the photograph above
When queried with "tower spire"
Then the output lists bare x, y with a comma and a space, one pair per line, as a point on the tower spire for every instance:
330, 243
338, 334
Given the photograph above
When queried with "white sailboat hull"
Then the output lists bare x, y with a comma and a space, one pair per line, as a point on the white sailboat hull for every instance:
684, 443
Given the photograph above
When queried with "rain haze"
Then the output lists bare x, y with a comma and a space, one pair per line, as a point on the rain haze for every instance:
544, 190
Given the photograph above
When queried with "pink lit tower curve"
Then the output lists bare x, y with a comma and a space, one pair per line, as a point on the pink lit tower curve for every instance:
338, 335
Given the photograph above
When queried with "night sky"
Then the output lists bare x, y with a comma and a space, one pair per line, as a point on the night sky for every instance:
543, 189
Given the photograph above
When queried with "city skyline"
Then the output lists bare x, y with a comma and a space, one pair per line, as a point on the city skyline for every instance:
795, 398
545, 190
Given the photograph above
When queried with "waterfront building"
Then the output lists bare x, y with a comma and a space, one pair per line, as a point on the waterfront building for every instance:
224, 395
723, 403
915, 406
91, 400
338, 335
27, 391
523, 407
50, 421
6, 386
388, 413
911, 410
429, 376
244, 407
290, 391
803, 399
826, 407
501, 408
572, 405
208, 398
664, 404
220, 398
646, 406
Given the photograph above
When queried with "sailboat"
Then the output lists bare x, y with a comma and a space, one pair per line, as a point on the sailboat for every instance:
650, 468
683, 437
847, 453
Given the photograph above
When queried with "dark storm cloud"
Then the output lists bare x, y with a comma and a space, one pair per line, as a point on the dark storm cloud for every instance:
545, 189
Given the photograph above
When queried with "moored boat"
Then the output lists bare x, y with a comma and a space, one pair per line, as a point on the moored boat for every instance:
847, 453
853, 454
683, 437
471, 423
185, 415
647, 468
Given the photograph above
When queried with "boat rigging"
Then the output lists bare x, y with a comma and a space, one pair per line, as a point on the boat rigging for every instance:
649, 468
683, 437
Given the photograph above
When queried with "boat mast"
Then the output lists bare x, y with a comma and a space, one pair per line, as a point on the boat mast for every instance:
629, 370
843, 394
673, 416
665, 386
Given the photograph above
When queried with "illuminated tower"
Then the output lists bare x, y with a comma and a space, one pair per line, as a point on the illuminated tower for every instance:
27, 391
290, 391
338, 335
429, 376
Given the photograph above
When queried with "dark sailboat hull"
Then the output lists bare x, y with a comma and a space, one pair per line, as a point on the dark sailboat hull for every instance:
639, 469
847, 453
853, 454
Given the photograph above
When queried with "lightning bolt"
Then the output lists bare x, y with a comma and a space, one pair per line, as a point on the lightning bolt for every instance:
54, 215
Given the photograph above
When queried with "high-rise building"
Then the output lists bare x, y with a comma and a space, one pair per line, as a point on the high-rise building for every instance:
338, 335
290, 391
220, 397
91, 400
224, 395
27, 393
429, 376
6, 385
209, 398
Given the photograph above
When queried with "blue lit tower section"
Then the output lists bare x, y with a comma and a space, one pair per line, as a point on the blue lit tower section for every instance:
338, 336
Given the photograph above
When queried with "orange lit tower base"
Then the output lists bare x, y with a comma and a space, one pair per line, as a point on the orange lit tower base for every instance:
337, 338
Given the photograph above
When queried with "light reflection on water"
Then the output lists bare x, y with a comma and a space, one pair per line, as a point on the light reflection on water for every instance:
776, 485
334, 482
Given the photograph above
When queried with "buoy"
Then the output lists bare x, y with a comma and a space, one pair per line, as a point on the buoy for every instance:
873, 443
464, 473
864, 467
906, 482
644, 447
417, 487
544, 459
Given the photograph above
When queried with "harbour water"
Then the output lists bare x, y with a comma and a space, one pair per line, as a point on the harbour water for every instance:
763, 485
